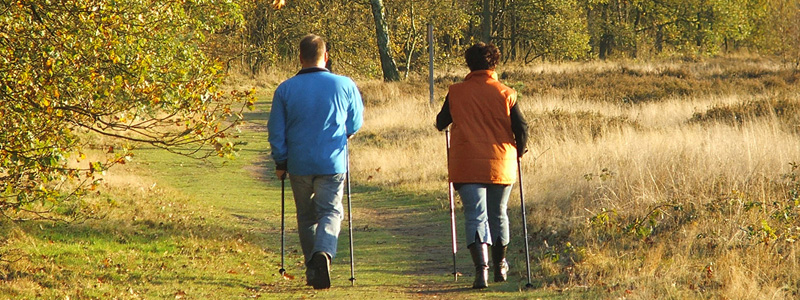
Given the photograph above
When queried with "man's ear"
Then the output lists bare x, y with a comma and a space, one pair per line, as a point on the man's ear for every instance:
325, 57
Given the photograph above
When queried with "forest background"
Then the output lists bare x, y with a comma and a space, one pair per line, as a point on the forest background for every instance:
664, 158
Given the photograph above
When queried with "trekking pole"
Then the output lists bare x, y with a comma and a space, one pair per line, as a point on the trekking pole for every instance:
282, 271
350, 218
524, 222
452, 208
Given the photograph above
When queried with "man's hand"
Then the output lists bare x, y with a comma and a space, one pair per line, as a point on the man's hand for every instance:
281, 174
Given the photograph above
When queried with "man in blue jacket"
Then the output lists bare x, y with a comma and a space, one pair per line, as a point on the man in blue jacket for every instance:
313, 114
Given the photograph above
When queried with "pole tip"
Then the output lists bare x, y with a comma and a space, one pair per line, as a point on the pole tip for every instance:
529, 285
282, 270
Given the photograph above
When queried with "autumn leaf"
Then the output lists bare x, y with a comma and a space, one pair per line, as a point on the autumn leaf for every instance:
180, 294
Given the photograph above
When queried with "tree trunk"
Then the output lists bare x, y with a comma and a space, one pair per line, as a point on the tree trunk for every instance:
411, 43
486, 22
388, 65
659, 39
514, 31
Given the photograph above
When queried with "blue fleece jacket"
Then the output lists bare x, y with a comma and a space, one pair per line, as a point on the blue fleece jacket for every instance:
312, 115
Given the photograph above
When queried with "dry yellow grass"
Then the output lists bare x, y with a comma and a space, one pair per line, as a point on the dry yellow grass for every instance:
630, 198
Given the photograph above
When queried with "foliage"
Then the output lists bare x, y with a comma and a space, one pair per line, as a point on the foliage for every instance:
550, 29
524, 30
777, 29
408, 20
74, 71
272, 35
631, 28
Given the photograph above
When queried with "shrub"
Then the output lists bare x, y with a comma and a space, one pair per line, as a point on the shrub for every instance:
576, 125
785, 108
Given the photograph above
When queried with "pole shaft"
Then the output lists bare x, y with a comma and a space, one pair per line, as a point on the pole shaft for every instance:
350, 219
450, 197
283, 224
524, 221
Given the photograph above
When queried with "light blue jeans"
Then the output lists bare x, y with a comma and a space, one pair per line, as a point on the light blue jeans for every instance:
486, 212
318, 199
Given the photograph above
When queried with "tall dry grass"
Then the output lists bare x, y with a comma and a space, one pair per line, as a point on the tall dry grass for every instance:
645, 180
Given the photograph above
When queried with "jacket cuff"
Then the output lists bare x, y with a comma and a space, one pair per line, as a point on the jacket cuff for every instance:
281, 165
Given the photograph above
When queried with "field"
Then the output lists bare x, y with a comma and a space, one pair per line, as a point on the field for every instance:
670, 179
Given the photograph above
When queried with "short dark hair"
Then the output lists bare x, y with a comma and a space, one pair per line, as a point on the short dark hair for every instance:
482, 56
312, 48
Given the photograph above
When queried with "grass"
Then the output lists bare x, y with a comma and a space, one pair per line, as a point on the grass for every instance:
639, 183
191, 229
649, 180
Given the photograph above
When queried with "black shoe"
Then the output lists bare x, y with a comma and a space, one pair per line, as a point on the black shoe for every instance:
321, 263
480, 257
500, 263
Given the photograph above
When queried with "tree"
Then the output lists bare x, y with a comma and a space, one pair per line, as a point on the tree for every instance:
388, 65
132, 71
272, 35
409, 22
777, 29
547, 28
486, 22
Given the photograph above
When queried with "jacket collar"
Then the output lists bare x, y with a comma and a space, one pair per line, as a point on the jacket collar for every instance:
481, 73
312, 70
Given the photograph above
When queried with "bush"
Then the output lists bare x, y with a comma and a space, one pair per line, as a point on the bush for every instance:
785, 108
579, 126
632, 84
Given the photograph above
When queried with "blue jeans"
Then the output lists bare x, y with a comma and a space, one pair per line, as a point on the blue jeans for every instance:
486, 212
318, 199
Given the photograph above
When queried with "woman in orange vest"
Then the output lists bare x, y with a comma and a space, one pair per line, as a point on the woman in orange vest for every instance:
488, 134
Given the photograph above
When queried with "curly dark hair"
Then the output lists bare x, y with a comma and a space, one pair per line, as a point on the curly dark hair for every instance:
482, 56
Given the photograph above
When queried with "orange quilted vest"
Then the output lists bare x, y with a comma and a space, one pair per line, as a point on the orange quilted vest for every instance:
482, 144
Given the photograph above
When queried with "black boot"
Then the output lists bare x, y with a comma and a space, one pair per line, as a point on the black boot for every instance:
499, 262
480, 257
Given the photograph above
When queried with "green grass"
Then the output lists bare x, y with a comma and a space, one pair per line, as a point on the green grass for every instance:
211, 230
